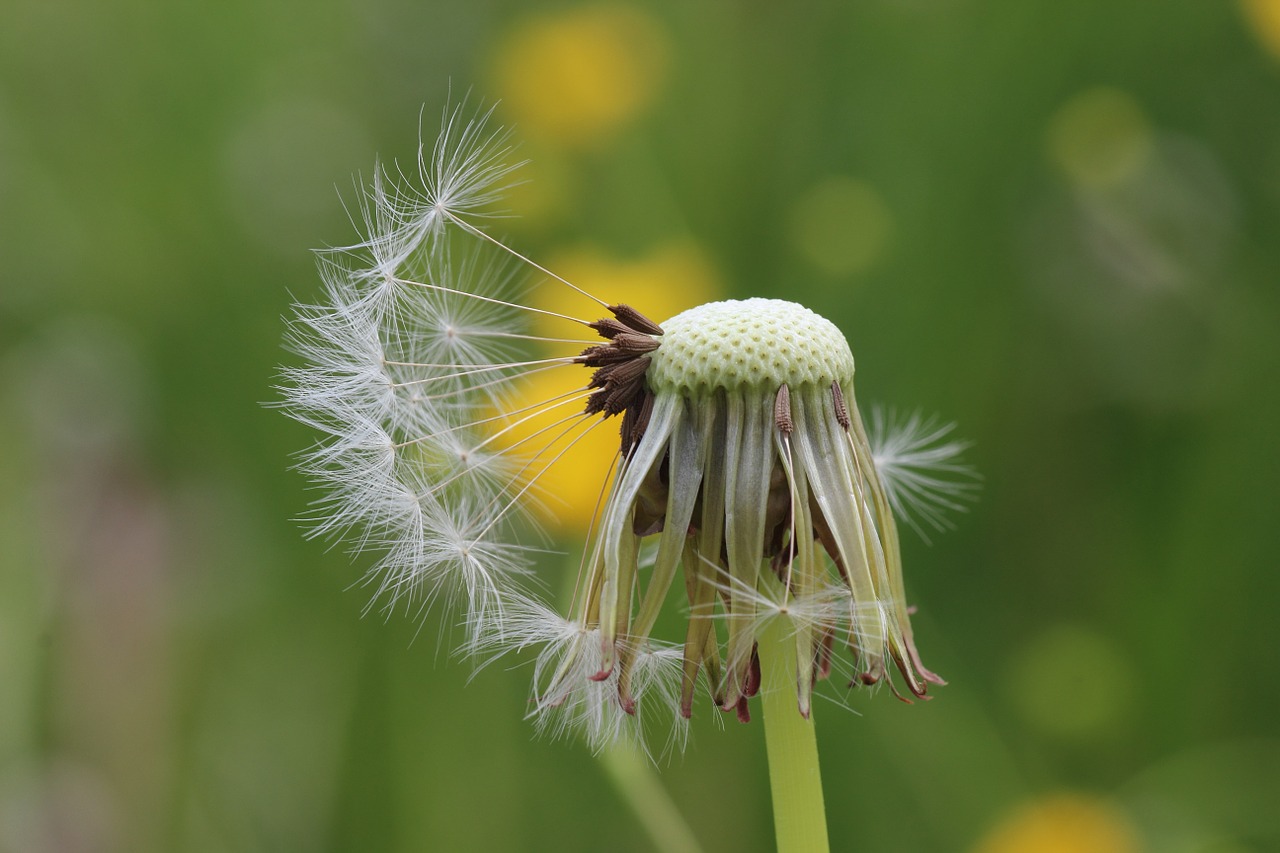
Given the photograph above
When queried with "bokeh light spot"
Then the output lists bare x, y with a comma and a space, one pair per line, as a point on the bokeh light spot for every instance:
1099, 138
1071, 682
840, 225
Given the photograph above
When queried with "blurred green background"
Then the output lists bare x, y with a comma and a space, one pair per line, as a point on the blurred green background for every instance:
1055, 223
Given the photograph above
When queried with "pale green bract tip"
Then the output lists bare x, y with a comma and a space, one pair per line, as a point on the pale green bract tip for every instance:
748, 343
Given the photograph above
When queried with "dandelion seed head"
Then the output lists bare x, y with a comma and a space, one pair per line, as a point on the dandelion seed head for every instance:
750, 342
449, 413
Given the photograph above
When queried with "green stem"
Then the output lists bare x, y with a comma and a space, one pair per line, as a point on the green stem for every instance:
637, 783
799, 819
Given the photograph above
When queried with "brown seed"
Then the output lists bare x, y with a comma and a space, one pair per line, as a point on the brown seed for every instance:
842, 411
635, 320
632, 343
782, 411
608, 327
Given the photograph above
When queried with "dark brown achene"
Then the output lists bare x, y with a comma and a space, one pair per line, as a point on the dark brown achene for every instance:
620, 367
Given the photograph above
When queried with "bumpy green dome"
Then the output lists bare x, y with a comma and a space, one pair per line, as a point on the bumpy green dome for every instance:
748, 343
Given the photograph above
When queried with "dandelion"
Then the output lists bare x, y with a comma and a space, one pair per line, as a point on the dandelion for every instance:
742, 464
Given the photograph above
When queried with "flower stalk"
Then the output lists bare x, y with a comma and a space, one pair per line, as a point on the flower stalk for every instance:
799, 816
638, 785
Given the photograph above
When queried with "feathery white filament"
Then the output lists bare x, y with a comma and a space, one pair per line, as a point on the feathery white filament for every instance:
921, 468
408, 362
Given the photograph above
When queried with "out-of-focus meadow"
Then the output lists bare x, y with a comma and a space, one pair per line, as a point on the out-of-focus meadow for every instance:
1057, 224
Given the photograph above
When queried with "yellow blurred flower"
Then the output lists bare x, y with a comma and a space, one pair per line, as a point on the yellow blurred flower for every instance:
1062, 823
1263, 17
575, 77
667, 281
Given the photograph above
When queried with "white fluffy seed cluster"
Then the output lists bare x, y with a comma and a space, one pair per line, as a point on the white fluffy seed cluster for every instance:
748, 343
399, 361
